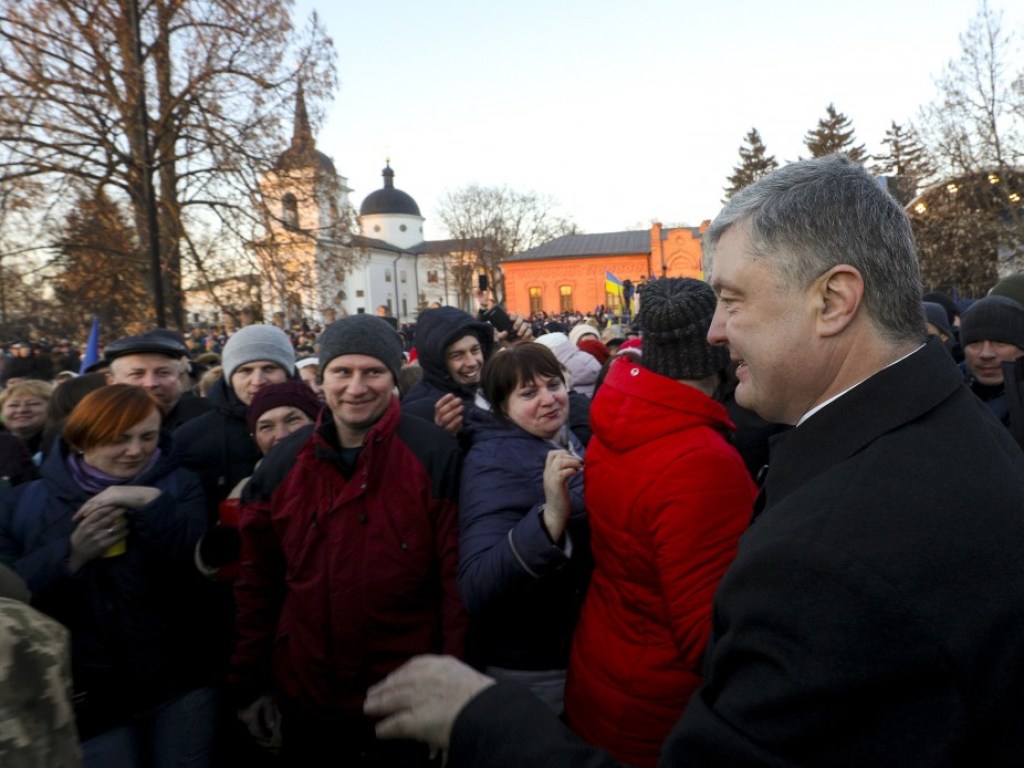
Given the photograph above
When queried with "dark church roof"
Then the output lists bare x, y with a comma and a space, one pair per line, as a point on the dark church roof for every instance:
303, 152
388, 199
597, 244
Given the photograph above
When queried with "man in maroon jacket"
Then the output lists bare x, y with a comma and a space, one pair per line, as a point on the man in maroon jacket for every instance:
349, 559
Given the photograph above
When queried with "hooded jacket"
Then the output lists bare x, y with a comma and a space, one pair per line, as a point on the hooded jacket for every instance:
668, 498
436, 330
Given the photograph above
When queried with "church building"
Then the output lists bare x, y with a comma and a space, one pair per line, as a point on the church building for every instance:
321, 258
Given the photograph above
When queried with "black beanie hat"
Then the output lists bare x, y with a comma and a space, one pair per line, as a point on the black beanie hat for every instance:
675, 314
362, 335
994, 318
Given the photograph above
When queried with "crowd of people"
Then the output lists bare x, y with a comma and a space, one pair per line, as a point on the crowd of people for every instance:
774, 521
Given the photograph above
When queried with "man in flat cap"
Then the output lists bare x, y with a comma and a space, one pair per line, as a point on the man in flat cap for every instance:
154, 361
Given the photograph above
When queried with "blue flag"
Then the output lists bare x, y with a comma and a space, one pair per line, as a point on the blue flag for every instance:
92, 347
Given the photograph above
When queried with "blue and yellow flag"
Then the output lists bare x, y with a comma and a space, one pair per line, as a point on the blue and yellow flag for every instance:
612, 284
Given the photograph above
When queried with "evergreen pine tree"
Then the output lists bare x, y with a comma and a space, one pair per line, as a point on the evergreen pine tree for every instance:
834, 134
905, 163
101, 269
755, 162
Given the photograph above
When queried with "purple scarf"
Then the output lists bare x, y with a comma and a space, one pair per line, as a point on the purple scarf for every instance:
92, 481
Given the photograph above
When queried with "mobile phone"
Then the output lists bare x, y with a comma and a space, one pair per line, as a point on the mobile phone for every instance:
481, 281
498, 317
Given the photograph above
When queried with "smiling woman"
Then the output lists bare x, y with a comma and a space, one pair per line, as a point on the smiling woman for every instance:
104, 540
23, 407
524, 554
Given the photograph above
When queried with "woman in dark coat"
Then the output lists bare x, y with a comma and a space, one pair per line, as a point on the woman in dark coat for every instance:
104, 541
524, 553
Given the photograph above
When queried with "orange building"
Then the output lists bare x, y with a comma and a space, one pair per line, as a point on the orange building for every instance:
568, 273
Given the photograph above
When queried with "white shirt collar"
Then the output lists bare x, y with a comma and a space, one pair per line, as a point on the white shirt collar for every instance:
832, 399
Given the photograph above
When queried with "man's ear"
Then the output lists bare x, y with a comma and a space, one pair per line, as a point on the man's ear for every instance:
841, 293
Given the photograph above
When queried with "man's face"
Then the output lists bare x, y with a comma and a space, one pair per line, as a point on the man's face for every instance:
769, 329
250, 378
357, 389
985, 359
465, 360
157, 374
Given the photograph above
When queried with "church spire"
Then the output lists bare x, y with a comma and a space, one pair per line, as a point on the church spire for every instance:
388, 174
302, 133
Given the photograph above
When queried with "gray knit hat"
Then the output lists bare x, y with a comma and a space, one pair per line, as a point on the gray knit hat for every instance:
362, 335
257, 342
994, 318
675, 314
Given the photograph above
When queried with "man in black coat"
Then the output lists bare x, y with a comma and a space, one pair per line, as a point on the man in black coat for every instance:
875, 609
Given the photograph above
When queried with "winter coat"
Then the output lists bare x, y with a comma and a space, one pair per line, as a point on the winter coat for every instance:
668, 498
217, 446
436, 330
128, 615
347, 574
522, 590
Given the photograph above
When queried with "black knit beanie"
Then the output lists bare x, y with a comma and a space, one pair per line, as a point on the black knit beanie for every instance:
675, 314
994, 318
362, 335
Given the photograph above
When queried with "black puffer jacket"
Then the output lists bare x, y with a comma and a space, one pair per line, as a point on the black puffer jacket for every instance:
217, 446
436, 330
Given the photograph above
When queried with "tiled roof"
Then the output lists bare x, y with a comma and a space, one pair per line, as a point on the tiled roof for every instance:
359, 241
600, 244
459, 245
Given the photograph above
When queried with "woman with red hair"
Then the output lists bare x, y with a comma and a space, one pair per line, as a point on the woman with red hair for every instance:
104, 541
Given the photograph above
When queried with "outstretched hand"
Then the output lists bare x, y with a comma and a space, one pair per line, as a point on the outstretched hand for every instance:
421, 699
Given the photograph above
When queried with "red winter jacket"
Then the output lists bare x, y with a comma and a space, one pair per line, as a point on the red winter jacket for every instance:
668, 498
344, 578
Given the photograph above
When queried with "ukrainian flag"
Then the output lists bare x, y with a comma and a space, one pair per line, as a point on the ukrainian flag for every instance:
612, 284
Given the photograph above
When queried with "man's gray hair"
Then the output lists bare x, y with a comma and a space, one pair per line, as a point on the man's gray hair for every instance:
809, 216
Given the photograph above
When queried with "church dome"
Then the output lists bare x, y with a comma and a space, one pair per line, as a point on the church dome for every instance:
388, 199
303, 156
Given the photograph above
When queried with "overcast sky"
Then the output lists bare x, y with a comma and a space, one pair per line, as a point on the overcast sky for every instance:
622, 112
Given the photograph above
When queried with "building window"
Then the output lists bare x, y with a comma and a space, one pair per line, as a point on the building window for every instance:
565, 298
405, 307
387, 276
432, 276
403, 227
536, 300
290, 211
401, 275
612, 303
360, 294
